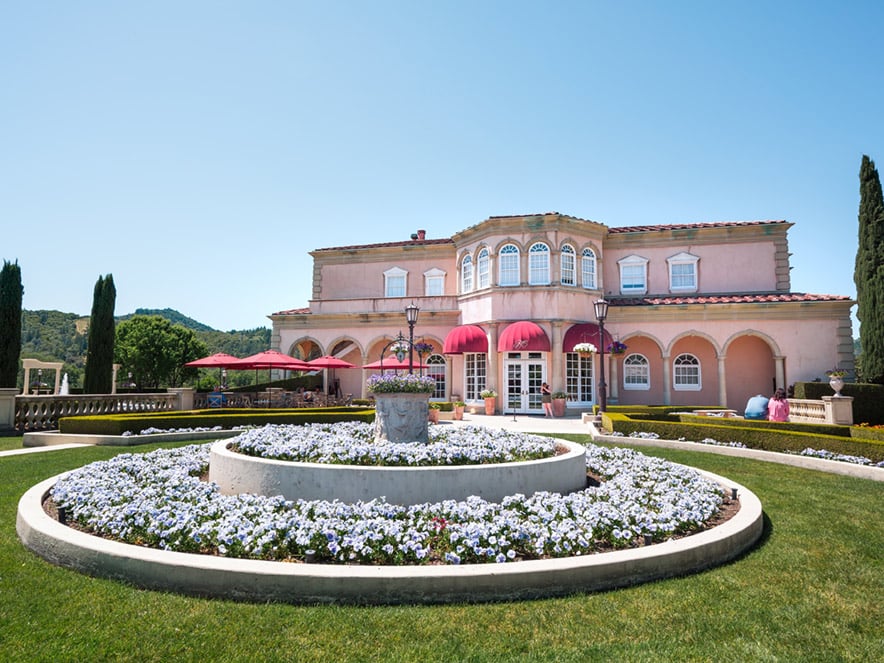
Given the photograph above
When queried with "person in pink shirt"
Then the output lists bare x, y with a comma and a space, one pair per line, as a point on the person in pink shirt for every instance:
778, 406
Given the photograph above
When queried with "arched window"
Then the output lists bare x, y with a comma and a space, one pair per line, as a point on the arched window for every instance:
569, 263
686, 373
466, 274
436, 368
483, 268
538, 264
509, 265
636, 372
587, 269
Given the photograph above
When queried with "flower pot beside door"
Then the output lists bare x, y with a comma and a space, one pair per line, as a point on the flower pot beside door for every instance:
559, 399
458, 410
490, 398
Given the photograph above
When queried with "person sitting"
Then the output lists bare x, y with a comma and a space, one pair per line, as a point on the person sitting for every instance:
778, 406
756, 408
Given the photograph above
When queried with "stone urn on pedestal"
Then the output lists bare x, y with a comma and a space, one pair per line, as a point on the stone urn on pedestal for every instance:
836, 381
401, 406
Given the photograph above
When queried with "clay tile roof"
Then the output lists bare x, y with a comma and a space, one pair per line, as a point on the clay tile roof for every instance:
750, 298
293, 311
407, 242
686, 226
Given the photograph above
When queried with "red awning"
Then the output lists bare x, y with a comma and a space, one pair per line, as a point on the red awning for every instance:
586, 332
522, 336
466, 338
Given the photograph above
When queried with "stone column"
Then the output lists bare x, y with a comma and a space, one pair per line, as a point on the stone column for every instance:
492, 377
839, 410
667, 381
185, 397
556, 370
7, 407
722, 381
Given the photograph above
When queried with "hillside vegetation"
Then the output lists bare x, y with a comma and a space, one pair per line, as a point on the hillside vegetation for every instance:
58, 336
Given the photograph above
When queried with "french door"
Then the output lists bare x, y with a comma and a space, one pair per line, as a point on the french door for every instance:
524, 372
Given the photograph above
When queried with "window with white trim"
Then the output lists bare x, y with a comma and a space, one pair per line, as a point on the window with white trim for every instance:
508, 264
683, 272
588, 268
474, 375
434, 282
436, 368
633, 275
538, 264
636, 372
686, 373
466, 274
483, 268
569, 263
394, 282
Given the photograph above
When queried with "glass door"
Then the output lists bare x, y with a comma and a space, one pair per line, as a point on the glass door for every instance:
523, 375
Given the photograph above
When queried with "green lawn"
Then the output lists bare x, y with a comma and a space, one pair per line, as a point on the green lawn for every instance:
811, 591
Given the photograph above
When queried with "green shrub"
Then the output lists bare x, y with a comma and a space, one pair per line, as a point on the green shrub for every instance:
867, 398
117, 424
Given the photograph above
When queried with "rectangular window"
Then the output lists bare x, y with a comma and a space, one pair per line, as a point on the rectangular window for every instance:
474, 375
569, 275
395, 285
434, 285
632, 278
682, 276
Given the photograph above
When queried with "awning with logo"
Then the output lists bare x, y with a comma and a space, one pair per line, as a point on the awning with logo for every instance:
465, 338
585, 332
521, 336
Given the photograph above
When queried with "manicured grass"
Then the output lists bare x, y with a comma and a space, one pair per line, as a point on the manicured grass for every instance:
810, 591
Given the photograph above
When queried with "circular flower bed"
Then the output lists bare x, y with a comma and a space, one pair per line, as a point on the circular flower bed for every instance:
159, 500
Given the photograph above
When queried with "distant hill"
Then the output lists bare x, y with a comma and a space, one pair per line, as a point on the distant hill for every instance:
57, 336
172, 316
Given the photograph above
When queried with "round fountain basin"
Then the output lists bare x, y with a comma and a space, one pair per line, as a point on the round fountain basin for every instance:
237, 473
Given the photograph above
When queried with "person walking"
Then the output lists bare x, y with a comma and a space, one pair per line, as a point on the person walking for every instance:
546, 399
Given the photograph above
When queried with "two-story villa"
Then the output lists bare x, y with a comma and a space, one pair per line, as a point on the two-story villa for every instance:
705, 311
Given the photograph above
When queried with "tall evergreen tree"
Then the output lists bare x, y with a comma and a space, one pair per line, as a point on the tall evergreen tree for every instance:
11, 292
869, 273
98, 378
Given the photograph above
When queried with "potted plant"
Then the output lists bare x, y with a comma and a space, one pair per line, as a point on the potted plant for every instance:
559, 398
458, 409
585, 349
433, 413
490, 397
616, 348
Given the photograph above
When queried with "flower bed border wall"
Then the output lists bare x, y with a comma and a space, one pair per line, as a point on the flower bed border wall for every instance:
261, 581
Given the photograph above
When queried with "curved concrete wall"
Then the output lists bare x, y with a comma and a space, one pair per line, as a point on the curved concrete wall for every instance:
238, 473
206, 575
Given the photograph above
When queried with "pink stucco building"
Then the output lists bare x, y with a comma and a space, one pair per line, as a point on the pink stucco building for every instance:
706, 311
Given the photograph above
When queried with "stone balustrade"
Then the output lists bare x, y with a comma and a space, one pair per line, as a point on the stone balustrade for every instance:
43, 412
830, 410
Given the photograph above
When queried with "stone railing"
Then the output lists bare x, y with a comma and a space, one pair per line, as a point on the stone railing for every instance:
43, 412
830, 410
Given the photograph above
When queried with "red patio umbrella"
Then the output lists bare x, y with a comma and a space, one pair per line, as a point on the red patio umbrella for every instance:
328, 361
219, 360
269, 359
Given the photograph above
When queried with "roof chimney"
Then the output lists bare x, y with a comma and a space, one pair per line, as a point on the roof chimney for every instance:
421, 234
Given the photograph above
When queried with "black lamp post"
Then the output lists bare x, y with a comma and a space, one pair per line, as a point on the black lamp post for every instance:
411, 312
601, 312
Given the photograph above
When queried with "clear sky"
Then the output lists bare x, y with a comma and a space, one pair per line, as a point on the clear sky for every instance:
197, 150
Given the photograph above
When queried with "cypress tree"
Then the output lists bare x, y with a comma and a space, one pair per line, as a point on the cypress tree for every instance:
11, 292
869, 273
98, 378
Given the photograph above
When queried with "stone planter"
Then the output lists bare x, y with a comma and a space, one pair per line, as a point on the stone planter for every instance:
837, 384
401, 417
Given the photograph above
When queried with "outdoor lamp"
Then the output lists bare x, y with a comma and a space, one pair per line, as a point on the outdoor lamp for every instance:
411, 313
601, 312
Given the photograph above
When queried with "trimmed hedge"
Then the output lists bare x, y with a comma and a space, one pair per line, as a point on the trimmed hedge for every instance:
117, 424
765, 437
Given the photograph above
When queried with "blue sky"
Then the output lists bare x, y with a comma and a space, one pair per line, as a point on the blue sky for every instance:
198, 150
